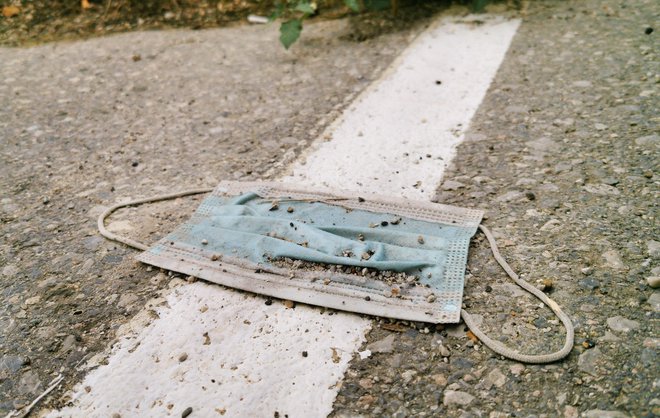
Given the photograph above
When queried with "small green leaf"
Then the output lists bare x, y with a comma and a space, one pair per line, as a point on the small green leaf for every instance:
305, 8
353, 5
290, 32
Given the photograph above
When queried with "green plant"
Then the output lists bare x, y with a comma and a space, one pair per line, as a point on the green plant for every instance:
294, 12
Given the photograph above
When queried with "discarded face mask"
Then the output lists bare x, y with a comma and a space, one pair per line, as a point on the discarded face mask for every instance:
368, 254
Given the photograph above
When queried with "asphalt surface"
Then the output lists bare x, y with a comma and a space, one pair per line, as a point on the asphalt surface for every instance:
563, 155
86, 124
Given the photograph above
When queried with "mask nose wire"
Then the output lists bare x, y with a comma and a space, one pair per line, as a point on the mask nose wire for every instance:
500, 348
128, 241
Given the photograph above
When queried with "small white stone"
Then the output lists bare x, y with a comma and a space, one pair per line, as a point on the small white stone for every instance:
33, 300
654, 301
408, 375
598, 413
496, 377
613, 260
456, 397
385, 345
653, 248
516, 369
653, 281
621, 324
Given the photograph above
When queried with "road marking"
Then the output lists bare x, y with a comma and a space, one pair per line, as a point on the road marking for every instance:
400, 134
245, 358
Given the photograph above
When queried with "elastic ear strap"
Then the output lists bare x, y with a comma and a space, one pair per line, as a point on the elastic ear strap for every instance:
500, 348
128, 241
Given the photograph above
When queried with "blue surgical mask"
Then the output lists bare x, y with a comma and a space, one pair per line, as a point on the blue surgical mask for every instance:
367, 254
362, 254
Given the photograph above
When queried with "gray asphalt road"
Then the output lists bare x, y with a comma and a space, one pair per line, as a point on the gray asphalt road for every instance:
562, 154
85, 124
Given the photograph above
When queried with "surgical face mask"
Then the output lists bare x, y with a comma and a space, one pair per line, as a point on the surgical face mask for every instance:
366, 254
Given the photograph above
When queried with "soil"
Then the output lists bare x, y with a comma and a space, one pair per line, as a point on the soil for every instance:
42, 21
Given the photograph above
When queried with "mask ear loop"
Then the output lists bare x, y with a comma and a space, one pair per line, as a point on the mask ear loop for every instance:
500, 348
128, 241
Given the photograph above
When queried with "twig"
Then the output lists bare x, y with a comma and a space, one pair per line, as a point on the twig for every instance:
53, 384
107, 7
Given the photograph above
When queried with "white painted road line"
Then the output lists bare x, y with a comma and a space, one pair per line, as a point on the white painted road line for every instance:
244, 358
400, 134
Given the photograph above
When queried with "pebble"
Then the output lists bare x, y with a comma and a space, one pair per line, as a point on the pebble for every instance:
648, 140
654, 301
385, 345
653, 248
29, 383
183, 357
652, 343
126, 299
457, 397
496, 377
366, 383
509, 196
186, 412
621, 324
439, 379
653, 281
12, 363
33, 300
613, 260
582, 83
609, 338
589, 283
517, 369
589, 359
570, 412
408, 375
68, 343
599, 413
444, 351
602, 189
550, 225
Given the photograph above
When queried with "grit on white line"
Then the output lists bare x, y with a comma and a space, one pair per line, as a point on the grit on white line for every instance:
247, 359
399, 136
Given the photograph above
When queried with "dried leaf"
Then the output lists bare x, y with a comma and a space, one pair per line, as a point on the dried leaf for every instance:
10, 11
471, 336
336, 358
